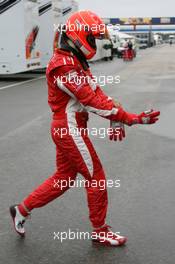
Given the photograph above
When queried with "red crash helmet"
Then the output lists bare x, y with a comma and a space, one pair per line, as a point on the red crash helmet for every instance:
83, 28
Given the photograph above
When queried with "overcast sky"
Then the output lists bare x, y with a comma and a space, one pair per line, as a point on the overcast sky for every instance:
129, 8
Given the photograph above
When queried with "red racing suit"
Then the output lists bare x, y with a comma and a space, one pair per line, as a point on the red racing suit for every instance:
71, 94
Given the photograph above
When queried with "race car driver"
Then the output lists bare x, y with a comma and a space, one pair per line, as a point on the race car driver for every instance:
72, 93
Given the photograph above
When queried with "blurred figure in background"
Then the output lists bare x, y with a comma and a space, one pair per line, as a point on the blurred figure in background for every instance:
107, 49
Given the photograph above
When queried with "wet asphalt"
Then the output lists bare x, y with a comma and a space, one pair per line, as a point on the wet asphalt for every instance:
142, 208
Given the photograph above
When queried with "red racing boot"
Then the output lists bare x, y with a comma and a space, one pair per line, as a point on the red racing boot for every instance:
105, 236
18, 220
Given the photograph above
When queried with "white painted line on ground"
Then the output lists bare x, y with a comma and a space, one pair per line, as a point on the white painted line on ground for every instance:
19, 83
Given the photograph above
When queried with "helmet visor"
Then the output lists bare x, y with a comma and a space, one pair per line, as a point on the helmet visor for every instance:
91, 41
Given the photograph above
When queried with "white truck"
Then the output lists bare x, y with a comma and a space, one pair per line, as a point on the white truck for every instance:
27, 36
19, 28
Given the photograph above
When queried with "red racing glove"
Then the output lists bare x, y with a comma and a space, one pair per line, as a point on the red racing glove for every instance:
117, 131
147, 117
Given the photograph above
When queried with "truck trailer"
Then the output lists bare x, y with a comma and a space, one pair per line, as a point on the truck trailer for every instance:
27, 35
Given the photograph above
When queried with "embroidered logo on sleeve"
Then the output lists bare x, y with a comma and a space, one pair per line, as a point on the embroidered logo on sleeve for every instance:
76, 79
